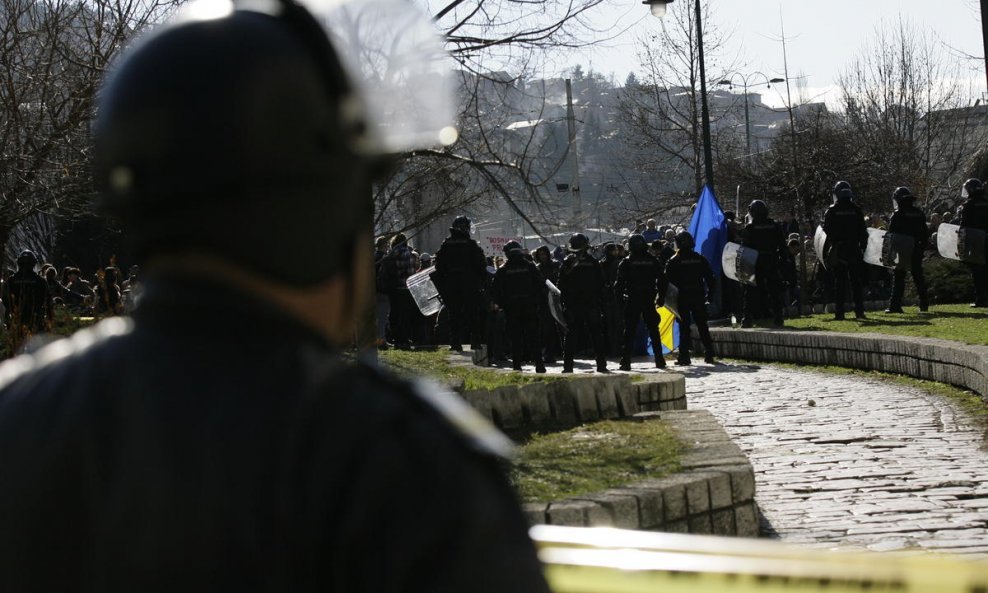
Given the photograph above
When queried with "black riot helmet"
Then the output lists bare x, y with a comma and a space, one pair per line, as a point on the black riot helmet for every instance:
637, 243
902, 197
842, 191
578, 242
235, 130
973, 188
27, 260
684, 240
512, 248
461, 224
757, 210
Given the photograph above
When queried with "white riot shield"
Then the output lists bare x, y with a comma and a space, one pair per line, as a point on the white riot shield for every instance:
556, 304
739, 263
961, 243
819, 241
424, 292
672, 299
888, 250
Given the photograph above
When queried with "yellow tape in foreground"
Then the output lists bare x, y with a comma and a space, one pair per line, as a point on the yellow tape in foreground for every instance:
600, 560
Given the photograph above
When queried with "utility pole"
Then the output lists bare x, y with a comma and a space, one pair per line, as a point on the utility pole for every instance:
574, 184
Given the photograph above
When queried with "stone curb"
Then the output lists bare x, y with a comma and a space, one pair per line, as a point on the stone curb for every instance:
714, 494
932, 359
565, 403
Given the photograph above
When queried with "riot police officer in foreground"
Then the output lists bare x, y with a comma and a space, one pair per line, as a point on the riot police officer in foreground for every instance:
581, 282
847, 237
974, 214
640, 281
27, 300
690, 272
461, 271
520, 291
765, 236
218, 441
908, 220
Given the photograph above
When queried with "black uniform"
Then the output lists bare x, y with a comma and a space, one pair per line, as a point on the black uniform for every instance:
613, 309
690, 272
581, 282
640, 279
766, 237
910, 220
28, 305
460, 276
847, 237
520, 290
974, 214
217, 444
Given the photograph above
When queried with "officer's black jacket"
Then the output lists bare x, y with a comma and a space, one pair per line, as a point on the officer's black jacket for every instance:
581, 281
640, 277
461, 260
766, 237
974, 213
844, 223
549, 270
214, 443
518, 283
910, 220
690, 272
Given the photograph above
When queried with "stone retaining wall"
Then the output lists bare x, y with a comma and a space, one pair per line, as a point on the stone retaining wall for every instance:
565, 403
923, 358
713, 495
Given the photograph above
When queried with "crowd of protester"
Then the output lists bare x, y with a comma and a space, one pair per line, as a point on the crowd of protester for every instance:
475, 307
31, 295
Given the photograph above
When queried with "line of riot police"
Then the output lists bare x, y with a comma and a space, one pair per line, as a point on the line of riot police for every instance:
552, 307
844, 244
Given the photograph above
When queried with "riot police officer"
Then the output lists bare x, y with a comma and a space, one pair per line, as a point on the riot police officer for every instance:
219, 440
690, 272
27, 300
520, 291
766, 237
974, 214
581, 282
908, 220
847, 237
461, 271
640, 281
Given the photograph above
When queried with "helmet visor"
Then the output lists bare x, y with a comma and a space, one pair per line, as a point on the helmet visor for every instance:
396, 61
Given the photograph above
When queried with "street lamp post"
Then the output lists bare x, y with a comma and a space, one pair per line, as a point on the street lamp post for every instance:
747, 119
658, 8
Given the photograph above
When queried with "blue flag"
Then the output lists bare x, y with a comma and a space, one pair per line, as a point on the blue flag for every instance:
709, 229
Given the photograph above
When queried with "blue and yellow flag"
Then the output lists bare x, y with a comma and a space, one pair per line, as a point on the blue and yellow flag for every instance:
668, 332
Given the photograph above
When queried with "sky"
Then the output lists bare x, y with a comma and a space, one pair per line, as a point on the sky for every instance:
822, 37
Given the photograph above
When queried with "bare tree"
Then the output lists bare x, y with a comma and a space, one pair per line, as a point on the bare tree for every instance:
52, 56
909, 115
661, 112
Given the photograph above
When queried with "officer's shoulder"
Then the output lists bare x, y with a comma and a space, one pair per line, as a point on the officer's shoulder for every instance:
57, 361
425, 401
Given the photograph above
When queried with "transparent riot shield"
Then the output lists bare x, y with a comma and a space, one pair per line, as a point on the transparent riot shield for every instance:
964, 244
739, 263
672, 299
424, 292
556, 304
819, 242
888, 250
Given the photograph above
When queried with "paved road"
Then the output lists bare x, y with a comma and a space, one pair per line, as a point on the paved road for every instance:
866, 464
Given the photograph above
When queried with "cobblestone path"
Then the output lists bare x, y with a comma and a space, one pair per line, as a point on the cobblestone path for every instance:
865, 464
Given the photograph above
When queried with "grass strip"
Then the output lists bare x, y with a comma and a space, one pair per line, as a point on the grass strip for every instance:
594, 457
436, 365
960, 323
